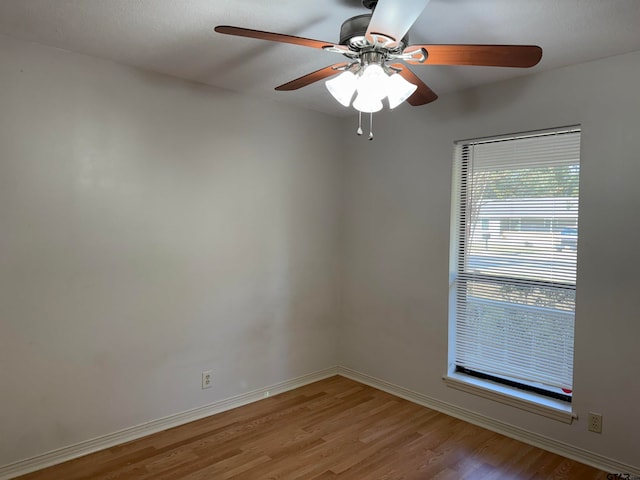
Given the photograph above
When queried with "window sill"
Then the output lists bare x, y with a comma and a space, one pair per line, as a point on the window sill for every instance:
531, 402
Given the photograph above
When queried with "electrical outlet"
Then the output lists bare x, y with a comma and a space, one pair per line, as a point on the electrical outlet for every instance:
595, 422
207, 379
265, 394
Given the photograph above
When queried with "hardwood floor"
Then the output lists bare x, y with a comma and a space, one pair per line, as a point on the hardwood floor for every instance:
332, 429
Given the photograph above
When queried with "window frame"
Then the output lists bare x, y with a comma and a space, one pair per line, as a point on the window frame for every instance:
533, 401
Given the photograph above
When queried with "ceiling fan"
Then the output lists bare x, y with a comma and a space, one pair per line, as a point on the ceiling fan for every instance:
374, 44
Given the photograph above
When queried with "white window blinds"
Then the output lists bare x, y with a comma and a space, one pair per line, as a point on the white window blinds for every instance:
515, 237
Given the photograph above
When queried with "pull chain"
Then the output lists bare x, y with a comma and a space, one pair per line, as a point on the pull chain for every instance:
359, 131
371, 126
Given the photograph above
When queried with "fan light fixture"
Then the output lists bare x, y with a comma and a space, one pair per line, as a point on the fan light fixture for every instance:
371, 84
375, 43
370, 81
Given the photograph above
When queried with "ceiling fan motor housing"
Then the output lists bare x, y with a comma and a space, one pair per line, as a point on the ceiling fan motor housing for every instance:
353, 35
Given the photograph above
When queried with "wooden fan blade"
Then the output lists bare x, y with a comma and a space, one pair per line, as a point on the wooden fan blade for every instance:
312, 77
423, 94
522, 56
272, 37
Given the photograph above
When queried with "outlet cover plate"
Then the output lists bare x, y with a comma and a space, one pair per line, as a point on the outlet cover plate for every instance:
207, 379
595, 422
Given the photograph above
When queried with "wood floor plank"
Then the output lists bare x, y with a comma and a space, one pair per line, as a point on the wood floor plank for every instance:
335, 429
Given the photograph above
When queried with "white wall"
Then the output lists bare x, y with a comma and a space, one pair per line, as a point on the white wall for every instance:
397, 211
151, 229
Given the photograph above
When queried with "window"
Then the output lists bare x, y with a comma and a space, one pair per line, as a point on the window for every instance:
513, 262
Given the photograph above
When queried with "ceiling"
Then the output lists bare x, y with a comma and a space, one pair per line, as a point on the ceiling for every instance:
176, 37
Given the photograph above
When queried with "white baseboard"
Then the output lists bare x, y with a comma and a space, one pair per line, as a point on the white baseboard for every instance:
583, 456
64, 454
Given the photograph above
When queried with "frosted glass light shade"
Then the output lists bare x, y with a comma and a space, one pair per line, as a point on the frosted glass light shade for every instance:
367, 103
372, 83
398, 90
342, 87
